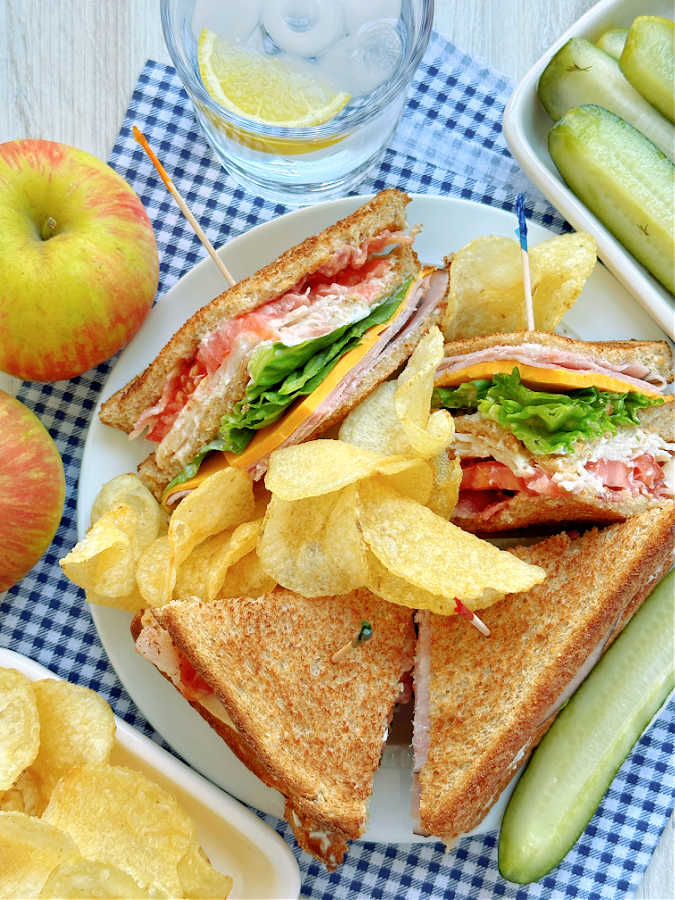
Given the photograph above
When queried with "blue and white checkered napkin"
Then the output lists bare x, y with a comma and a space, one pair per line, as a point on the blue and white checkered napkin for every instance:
449, 142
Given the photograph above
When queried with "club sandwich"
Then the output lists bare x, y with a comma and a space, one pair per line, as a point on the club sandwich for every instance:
284, 354
264, 675
550, 429
481, 705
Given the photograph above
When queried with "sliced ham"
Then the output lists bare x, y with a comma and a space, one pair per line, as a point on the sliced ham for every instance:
614, 473
543, 357
422, 684
642, 474
649, 472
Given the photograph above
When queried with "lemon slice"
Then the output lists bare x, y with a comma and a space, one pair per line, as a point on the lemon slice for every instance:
263, 89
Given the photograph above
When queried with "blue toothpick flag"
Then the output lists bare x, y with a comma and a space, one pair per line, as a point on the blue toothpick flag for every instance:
521, 232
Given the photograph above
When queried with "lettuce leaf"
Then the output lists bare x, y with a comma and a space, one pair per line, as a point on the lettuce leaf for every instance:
281, 374
547, 423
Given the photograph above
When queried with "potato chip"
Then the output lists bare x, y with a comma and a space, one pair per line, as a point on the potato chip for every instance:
129, 490
428, 434
323, 467
103, 561
374, 425
247, 578
154, 575
397, 590
203, 572
486, 289
199, 879
29, 850
559, 269
25, 795
119, 816
133, 601
420, 547
411, 477
222, 501
77, 727
19, 726
313, 546
86, 878
486, 284
447, 478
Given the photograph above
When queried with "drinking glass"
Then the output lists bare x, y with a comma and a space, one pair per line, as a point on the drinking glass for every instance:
373, 49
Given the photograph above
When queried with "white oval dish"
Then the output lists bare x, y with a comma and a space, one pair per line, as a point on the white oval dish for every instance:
526, 125
604, 311
236, 841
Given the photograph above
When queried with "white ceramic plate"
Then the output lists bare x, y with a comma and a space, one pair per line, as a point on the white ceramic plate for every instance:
235, 840
526, 126
604, 311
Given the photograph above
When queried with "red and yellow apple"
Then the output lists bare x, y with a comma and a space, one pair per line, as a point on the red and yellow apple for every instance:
32, 490
78, 260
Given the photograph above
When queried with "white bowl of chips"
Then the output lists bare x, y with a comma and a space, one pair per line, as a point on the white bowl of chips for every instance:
89, 804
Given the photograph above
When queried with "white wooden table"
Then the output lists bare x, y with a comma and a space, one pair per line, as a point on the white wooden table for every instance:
68, 67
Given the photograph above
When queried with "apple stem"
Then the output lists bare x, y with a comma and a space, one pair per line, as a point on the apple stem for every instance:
48, 228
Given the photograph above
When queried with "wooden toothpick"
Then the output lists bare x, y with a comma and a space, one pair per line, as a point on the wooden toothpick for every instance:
525, 258
143, 141
462, 610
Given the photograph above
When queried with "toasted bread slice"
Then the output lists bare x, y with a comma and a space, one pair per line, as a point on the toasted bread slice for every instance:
385, 210
485, 703
655, 355
310, 727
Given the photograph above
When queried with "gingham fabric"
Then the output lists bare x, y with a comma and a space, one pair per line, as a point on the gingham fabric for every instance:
449, 142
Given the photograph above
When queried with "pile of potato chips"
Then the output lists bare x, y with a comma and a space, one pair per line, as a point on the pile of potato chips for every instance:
371, 509
74, 825
486, 284
132, 557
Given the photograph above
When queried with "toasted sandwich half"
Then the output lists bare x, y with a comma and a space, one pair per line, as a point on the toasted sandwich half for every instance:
554, 430
481, 705
261, 672
284, 354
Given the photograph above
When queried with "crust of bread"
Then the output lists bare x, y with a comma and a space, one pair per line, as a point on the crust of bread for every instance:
385, 210
656, 355
310, 728
491, 701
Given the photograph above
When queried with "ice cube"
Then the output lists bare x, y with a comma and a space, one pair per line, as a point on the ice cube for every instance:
359, 12
303, 27
230, 21
361, 62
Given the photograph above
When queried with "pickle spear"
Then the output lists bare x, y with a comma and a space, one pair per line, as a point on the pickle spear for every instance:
622, 178
612, 41
648, 61
581, 73
582, 751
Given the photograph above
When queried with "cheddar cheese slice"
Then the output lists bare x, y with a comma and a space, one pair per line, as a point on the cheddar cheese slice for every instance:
540, 378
